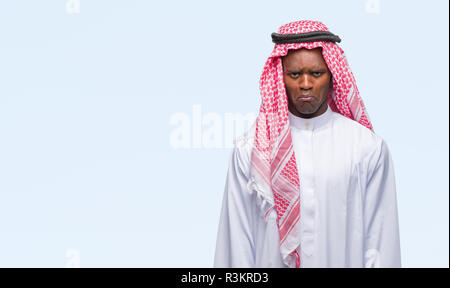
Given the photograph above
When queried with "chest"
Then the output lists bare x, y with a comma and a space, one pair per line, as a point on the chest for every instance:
325, 160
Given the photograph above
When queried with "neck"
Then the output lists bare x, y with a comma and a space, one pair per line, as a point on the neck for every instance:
313, 123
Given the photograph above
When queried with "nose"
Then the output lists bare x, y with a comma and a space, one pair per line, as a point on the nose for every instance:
306, 82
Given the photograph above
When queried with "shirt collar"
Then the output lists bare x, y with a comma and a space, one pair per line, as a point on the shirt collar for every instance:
310, 123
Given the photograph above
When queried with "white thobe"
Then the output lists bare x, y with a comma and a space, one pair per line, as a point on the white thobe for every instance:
348, 204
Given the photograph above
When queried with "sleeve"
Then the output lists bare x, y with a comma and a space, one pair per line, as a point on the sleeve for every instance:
235, 242
381, 226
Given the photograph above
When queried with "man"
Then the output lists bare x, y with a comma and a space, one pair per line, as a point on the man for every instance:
316, 186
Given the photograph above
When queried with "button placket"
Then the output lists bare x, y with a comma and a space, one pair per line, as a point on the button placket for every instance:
307, 192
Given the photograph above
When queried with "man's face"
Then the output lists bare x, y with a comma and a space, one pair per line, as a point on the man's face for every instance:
307, 81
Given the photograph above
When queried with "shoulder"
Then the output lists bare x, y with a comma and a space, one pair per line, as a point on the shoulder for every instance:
242, 150
364, 140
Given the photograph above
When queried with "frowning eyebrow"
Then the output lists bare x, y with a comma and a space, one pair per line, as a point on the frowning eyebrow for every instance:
323, 70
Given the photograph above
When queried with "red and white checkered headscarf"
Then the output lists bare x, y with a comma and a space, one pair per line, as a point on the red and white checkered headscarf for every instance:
273, 163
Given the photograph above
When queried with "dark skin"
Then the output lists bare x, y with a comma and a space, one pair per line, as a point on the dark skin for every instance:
306, 74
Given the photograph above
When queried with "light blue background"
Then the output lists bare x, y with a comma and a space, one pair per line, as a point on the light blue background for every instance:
86, 99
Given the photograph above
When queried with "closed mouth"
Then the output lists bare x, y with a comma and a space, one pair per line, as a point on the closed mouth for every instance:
306, 98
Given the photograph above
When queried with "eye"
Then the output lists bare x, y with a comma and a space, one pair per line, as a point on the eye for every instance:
316, 73
294, 75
